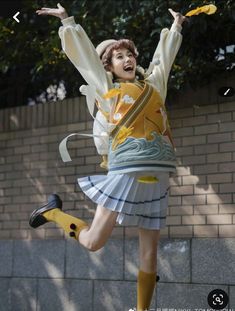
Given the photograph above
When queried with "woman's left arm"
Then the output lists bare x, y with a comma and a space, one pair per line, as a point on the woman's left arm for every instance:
165, 53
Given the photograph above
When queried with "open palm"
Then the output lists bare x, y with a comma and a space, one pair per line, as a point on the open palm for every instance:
59, 12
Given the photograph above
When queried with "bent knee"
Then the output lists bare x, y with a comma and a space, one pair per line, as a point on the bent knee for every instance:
94, 246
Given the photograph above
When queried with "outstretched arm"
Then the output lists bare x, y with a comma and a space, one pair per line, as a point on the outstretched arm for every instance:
81, 52
84, 57
165, 53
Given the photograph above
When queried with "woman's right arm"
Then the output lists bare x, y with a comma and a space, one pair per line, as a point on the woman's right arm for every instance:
83, 55
80, 50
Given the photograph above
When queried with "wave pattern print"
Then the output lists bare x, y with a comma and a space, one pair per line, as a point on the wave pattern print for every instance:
140, 149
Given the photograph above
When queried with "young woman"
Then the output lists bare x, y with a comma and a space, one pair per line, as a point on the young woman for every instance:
132, 134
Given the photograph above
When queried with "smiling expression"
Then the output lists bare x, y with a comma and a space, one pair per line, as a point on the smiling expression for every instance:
123, 64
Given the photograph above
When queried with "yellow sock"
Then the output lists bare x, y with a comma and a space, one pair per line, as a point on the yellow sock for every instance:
145, 287
70, 224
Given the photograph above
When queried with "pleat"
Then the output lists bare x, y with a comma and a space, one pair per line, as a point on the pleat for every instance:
142, 204
114, 196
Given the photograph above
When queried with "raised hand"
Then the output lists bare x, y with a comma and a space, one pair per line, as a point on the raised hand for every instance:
179, 18
60, 12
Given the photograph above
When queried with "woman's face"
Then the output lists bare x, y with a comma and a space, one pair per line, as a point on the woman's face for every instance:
123, 64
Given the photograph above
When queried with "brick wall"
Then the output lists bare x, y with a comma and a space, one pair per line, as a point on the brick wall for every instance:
202, 192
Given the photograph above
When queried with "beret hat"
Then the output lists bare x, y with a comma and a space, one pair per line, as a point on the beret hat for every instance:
100, 49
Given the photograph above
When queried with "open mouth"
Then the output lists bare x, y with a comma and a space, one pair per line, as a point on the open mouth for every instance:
128, 68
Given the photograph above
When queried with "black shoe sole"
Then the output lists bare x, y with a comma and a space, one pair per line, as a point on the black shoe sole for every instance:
36, 218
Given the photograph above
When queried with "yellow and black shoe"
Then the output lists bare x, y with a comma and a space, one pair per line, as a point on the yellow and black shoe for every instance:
37, 219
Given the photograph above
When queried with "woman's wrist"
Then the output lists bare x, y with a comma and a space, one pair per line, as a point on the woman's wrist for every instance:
176, 27
63, 15
177, 23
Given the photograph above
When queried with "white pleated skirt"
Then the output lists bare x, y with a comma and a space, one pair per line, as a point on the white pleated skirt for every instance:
137, 203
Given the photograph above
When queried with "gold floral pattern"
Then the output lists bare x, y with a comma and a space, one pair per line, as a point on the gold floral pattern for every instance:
112, 93
122, 135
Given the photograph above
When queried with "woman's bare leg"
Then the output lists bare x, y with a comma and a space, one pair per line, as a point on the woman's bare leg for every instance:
148, 243
95, 236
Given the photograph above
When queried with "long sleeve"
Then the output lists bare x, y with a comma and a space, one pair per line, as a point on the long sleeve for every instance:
164, 56
84, 57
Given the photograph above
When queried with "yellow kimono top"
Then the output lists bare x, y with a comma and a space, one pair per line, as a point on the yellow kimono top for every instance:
141, 138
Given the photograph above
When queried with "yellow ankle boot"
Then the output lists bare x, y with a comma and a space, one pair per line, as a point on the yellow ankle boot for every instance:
52, 211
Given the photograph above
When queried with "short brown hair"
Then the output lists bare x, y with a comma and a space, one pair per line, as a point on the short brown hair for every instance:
106, 57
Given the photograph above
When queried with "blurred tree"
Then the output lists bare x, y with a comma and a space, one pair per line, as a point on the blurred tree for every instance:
34, 69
